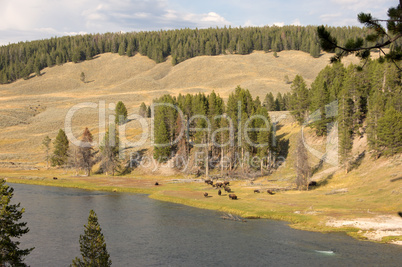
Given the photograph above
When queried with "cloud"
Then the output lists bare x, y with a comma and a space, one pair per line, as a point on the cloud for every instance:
47, 18
296, 22
22, 20
279, 24
213, 17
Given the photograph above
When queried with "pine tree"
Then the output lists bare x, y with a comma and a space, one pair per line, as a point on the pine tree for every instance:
130, 49
162, 149
92, 245
375, 112
121, 113
390, 132
143, 110
279, 105
269, 102
10, 228
300, 99
60, 155
345, 124
82, 77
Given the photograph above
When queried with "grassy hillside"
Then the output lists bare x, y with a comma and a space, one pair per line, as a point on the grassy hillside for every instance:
31, 109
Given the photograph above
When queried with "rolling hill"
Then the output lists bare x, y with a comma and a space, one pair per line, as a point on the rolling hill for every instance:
33, 108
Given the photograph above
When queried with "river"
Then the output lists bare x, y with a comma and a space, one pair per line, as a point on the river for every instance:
140, 231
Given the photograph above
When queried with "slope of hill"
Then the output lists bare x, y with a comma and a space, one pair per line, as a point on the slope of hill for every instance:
31, 109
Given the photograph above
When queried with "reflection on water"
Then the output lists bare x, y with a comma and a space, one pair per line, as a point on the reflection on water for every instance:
141, 231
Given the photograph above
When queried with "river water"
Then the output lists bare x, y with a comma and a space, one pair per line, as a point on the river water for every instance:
140, 231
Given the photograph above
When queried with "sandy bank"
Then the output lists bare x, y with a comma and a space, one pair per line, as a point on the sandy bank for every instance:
375, 228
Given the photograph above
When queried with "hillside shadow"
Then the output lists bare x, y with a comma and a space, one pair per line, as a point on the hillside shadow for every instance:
137, 157
317, 167
283, 145
322, 182
356, 162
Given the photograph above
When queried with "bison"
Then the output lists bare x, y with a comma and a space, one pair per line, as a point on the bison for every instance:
219, 192
209, 182
226, 183
54, 178
156, 183
256, 191
227, 189
400, 213
270, 192
312, 183
205, 194
219, 184
232, 196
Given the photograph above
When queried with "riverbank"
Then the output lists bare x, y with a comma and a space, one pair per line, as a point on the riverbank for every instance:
316, 210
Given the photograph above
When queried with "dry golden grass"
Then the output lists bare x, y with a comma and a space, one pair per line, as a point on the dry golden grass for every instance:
31, 109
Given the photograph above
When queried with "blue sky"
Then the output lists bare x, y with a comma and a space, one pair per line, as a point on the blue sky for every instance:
22, 20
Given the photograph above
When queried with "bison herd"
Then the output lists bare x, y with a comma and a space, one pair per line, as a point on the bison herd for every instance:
225, 186
220, 185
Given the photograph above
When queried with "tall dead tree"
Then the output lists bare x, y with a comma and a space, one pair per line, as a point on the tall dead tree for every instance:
302, 167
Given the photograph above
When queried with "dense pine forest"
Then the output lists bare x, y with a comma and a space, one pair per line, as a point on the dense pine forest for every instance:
208, 130
22, 59
367, 101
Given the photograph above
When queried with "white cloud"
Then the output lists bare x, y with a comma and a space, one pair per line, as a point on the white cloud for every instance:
296, 22
22, 20
279, 24
213, 17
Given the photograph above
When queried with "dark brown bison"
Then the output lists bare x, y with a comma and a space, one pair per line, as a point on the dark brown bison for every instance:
400, 213
232, 196
205, 194
209, 182
156, 183
312, 183
270, 192
256, 191
54, 178
219, 184
226, 183
227, 189
219, 192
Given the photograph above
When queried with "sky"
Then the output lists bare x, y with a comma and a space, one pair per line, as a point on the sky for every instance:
27, 20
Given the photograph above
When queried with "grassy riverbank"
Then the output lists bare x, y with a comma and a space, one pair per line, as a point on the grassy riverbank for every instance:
366, 197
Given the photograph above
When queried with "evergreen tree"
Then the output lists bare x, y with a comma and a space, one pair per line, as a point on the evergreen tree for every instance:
11, 228
130, 49
375, 112
82, 77
279, 105
345, 123
122, 48
390, 132
319, 98
92, 245
377, 36
149, 112
269, 102
143, 110
60, 153
299, 100
121, 113
162, 149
